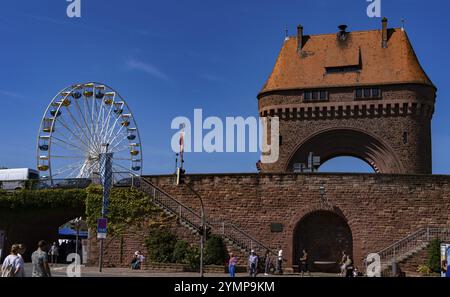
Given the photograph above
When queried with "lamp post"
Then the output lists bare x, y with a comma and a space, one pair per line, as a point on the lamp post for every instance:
105, 160
202, 227
77, 226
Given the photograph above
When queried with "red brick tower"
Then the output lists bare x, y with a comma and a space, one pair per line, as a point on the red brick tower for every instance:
361, 94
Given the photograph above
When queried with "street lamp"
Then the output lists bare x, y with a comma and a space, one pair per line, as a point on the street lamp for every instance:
76, 224
202, 228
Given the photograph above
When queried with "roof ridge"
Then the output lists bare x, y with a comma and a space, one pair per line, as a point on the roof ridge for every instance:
357, 31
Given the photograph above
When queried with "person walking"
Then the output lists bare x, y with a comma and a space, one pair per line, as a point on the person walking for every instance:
10, 266
21, 262
253, 263
232, 262
39, 258
54, 252
343, 263
443, 268
349, 267
280, 262
304, 263
267, 263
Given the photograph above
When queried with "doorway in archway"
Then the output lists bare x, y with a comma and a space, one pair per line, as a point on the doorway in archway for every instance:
324, 235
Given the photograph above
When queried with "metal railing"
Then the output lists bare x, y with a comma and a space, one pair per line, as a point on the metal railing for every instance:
191, 219
409, 245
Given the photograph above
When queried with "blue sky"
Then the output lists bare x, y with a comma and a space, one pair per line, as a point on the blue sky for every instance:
168, 57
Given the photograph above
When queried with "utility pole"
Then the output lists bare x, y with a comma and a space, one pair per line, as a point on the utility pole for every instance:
202, 231
105, 161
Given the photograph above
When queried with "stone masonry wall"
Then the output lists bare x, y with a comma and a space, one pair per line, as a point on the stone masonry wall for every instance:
379, 208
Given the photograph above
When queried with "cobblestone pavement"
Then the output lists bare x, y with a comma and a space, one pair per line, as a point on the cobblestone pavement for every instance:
60, 271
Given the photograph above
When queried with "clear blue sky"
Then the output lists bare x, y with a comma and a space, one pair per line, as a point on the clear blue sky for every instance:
168, 57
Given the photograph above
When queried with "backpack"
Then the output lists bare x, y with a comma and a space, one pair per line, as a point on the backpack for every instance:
9, 270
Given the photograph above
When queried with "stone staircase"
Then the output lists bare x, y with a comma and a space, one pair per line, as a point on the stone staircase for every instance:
408, 247
231, 234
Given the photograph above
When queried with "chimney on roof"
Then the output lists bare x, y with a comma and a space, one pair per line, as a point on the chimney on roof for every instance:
299, 38
342, 34
384, 32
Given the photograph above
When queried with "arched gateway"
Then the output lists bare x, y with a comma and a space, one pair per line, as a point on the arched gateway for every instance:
324, 235
333, 143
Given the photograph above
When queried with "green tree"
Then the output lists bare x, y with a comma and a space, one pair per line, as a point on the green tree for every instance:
434, 255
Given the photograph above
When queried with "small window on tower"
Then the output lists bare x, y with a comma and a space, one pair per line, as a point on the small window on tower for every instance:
367, 93
359, 93
376, 93
307, 95
323, 95
315, 95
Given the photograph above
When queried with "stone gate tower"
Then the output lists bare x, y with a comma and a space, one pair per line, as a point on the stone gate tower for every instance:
361, 94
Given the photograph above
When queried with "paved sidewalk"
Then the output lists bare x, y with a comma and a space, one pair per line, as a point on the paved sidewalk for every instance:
59, 270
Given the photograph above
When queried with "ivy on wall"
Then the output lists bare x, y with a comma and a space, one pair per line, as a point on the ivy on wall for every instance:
35, 199
126, 207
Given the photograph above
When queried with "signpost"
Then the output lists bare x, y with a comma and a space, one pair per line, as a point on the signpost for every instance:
106, 177
102, 226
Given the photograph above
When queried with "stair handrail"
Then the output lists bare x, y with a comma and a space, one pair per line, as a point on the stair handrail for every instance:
208, 222
399, 242
401, 247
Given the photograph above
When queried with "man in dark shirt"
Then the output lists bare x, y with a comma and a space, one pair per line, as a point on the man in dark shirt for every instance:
304, 263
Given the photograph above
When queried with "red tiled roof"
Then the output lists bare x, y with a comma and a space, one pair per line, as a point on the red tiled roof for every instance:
395, 64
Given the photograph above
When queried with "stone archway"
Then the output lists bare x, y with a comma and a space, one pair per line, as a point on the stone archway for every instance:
324, 235
333, 143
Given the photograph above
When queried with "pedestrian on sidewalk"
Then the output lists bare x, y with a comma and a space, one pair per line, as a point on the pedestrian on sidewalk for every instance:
39, 258
343, 263
232, 262
267, 263
54, 253
10, 267
279, 268
21, 262
253, 264
304, 263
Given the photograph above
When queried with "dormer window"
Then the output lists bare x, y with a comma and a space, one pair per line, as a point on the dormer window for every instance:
368, 93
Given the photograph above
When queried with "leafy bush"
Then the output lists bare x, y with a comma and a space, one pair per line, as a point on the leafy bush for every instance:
193, 259
215, 252
160, 245
434, 255
424, 269
180, 252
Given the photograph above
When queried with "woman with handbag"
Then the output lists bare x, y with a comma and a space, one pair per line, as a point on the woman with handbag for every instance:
10, 267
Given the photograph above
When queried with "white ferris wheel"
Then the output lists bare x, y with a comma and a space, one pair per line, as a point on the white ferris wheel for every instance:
81, 122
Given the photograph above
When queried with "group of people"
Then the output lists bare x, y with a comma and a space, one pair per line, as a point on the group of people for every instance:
348, 269
59, 251
346, 265
138, 259
14, 265
252, 263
